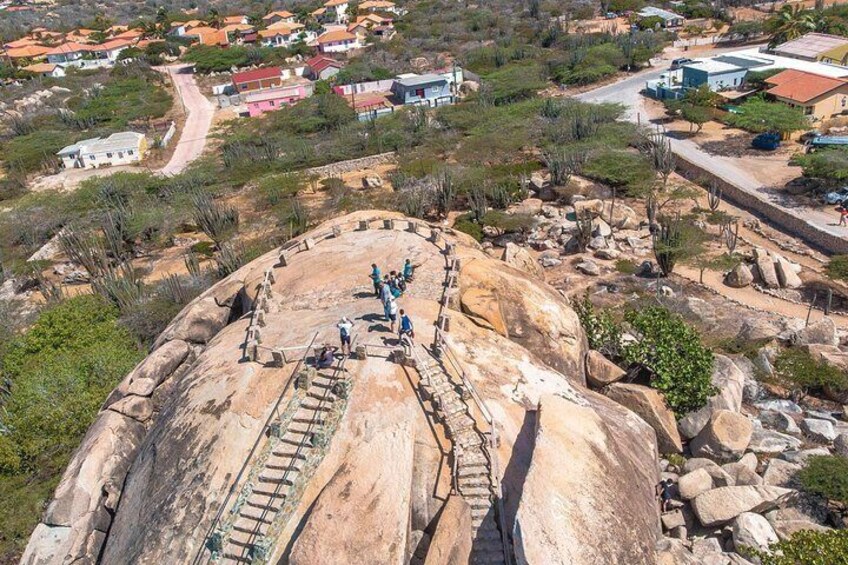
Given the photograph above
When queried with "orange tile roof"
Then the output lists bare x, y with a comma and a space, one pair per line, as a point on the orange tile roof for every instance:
286, 26
229, 20
40, 68
129, 34
336, 35
28, 52
22, 42
236, 27
318, 12
334, 3
278, 14
69, 47
110, 45
801, 86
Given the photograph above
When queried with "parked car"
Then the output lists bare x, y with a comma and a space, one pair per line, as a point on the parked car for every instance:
677, 63
768, 141
611, 15
837, 196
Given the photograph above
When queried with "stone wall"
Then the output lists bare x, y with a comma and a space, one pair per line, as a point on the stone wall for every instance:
352, 165
780, 218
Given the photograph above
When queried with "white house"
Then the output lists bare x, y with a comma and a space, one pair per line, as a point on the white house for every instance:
285, 34
87, 56
336, 10
46, 70
118, 149
338, 41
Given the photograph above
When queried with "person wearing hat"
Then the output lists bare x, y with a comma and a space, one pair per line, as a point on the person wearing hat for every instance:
345, 329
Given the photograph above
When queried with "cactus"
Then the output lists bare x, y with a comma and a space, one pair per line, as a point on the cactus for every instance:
667, 242
583, 233
731, 236
216, 221
714, 196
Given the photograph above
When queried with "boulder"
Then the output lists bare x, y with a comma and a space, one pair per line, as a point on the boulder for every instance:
199, 322
372, 181
554, 526
788, 521
692, 484
673, 552
451, 543
725, 437
600, 228
588, 267
723, 504
729, 381
720, 477
377, 475
766, 272
620, 215
706, 548
786, 274
482, 305
768, 441
822, 332
780, 473
673, 519
780, 421
820, 431
518, 257
801, 456
600, 371
778, 405
742, 473
47, 545
548, 261
528, 206
136, 407
751, 530
649, 405
739, 277
840, 444
152, 370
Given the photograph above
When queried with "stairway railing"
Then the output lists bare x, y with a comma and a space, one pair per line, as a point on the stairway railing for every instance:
492, 434
274, 415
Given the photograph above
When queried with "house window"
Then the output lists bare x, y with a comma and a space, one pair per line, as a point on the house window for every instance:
109, 155
120, 154
91, 157
843, 101
734, 82
271, 103
419, 92
243, 86
129, 152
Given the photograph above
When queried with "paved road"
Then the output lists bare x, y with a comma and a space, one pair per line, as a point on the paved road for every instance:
627, 92
199, 109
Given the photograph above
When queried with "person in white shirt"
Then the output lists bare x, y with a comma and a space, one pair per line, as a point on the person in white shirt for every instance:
345, 329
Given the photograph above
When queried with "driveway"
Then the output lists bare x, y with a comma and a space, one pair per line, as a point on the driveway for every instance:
198, 120
628, 93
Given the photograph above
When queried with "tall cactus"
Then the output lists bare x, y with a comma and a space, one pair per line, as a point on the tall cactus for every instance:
667, 244
714, 197
731, 236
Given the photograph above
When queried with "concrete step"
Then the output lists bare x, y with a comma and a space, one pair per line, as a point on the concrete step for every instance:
469, 438
459, 425
286, 451
266, 500
480, 512
248, 526
321, 396
232, 558
454, 408
485, 534
294, 440
285, 464
257, 514
472, 482
311, 419
465, 469
474, 457
312, 405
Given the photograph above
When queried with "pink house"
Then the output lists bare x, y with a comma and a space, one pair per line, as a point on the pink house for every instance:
272, 99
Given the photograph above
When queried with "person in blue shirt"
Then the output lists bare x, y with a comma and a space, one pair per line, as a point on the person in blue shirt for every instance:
408, 270
376, 278
406, 333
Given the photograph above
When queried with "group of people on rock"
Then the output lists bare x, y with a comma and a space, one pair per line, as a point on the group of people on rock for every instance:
388, 289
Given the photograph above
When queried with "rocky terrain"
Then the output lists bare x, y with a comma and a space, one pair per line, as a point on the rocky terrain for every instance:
570, 477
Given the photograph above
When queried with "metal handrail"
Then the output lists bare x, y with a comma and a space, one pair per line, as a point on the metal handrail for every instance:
494, 474
309, 429
275, 413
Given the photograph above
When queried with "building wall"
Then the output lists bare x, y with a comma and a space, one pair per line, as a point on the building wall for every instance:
250, 86
425, 93
286, 97
339, 46
694, 77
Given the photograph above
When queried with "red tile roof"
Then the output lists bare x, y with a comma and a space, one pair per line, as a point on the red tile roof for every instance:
257, 74
336, 35
320, 62
801, 86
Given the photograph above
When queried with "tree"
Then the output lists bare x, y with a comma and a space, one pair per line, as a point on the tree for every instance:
696, 116
695, 106
676, 241
790, 22
828, 165
680, 366
800, 373
745, 29
758, 115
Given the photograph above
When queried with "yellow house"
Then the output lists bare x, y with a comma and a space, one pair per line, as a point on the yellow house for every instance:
821, 97
836, 56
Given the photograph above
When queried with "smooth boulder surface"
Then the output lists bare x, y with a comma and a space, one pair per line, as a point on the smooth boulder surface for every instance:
725, 437
752, 530
729, 381
769, 441
721, 505
378, 476
600, 371
692, 484
518, 257
786, 275
649, 405
780, 421
821, 332
451, 543
739, 277
780, 473
817, 430
554, 527
766, 272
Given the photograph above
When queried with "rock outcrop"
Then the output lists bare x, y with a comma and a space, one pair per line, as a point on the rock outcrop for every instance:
729, 381
721, 505
451, 543
725, 437
600, 371
154, 471
649, 405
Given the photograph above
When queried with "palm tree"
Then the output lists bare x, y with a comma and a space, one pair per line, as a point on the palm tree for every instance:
214, 19
790, 22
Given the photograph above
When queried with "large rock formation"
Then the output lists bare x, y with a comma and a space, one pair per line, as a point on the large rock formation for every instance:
577, 470
651, 407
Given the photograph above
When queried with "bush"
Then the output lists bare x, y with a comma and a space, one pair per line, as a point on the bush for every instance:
826, 475
808, 547
671, 350
828, 165
619, 168
602, 332
757, 115
800, 373
837, 267
626, 267
467, 225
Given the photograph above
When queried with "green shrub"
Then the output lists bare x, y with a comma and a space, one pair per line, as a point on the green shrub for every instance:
826, 475
808, 547
680, 365
626, 267
466, 224
837, 267
619, 168
800, 373
602, 331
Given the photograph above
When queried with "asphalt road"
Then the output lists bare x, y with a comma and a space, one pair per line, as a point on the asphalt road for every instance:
627, 93
198, 121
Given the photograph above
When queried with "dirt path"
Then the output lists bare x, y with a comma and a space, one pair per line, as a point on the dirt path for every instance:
199, 119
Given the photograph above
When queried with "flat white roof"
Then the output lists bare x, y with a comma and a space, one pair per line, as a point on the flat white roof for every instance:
773, 62
649, 11
115, 142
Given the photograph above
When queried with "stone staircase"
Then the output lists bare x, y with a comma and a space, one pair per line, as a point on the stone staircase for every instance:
273, 490
473, 464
